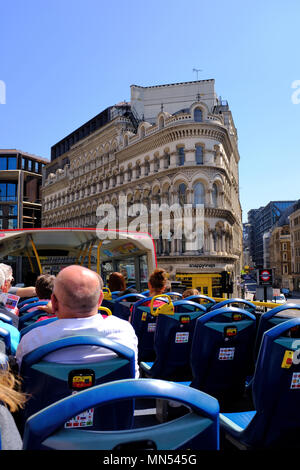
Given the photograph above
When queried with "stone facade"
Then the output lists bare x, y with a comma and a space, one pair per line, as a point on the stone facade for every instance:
182, 150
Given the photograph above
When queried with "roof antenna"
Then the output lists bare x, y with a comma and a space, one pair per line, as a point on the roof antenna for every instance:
197, 71
198, 97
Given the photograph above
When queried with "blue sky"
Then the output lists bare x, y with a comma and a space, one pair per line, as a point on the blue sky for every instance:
64, 61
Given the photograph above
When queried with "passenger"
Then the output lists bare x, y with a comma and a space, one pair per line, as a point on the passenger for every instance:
116, 282
3, 309
75, 299
44, 287
189, 292
10, 401
19, 291
157, 282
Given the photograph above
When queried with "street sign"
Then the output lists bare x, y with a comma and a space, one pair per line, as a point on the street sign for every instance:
265, 277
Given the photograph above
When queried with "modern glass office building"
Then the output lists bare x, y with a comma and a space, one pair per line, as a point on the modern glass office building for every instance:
20, 185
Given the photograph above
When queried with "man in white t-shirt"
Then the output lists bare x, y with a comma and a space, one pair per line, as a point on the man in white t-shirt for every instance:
77, 293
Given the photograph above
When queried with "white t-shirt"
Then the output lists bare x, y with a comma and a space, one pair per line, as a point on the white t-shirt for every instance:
112, 328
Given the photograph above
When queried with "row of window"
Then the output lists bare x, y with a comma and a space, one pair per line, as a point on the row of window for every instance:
11, 163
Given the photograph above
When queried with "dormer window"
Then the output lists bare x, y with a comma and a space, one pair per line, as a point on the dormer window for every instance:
198, 115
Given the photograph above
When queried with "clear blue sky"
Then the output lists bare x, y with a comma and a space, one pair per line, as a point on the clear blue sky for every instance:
64, 61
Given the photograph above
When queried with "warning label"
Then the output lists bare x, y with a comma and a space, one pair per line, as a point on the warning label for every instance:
226, 354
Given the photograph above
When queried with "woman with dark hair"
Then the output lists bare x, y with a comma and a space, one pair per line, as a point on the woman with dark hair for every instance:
116, 282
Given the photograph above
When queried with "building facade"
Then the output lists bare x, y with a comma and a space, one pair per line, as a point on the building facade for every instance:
262, 221
280, 257
172, 144
294, 219
20, 189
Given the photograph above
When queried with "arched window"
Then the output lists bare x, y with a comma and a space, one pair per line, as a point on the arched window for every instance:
214, 195
161, 124
199, 193
182, 194
147, 167
198, 115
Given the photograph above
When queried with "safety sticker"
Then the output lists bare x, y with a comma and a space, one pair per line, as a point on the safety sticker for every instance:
287, 359
151, 327
144, 316
82, 420
226, 354
182, 337
295, 380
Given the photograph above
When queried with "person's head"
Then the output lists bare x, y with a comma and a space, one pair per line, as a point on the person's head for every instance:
77, 292
157, 281
44, 286
8, 273
116, 282
189, 292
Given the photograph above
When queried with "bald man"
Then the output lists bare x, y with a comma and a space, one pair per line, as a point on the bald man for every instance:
77, 293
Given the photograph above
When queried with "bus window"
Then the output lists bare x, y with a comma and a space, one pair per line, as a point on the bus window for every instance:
127, 268
144, 274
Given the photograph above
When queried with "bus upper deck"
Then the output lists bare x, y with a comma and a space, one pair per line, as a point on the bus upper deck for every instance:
104, 251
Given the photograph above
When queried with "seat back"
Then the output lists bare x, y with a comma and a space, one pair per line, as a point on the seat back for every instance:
173, 340
47, 382
276, 388
123, 304
222, 351
144, 324
239, 303
36, 325
30, 305
199, 429
27, 301
204, 300
270, 319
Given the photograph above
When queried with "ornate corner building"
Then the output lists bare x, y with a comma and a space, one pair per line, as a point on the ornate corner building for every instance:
172, 144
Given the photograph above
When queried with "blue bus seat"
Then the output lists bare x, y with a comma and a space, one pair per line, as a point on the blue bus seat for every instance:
270, 319
222, 352
27, 301
144, 324
236, 302
172, 343
204, 300
30, 305
10, 336
174, 294
6, 318
197, 430
275, 420
47, 382
122, 305
30, 317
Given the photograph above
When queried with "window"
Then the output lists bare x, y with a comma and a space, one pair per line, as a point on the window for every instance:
8, 163
181, 156
199, 155
166, 160
182, 194
198, 115
214, 195
147, 167
199, 193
